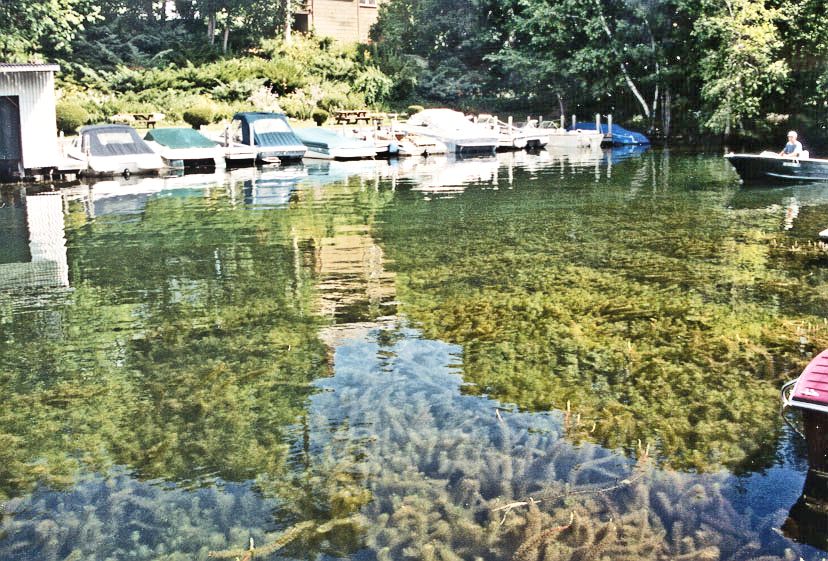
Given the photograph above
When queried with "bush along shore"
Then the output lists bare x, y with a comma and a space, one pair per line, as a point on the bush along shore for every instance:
307, 78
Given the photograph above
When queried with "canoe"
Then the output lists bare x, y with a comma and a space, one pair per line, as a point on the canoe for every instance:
769, 166
810, 389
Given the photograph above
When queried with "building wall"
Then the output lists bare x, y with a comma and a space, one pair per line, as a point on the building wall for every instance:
36, 91
347, 21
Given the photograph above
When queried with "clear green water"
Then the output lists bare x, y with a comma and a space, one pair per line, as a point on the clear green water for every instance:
368, 360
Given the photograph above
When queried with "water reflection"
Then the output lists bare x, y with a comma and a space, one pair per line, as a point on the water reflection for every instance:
46, 265
807, 521
317, 352
272, 188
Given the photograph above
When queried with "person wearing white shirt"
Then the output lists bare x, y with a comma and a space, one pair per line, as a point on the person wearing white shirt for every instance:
793, 149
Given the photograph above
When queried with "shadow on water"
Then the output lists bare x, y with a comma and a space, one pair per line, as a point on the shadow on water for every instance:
529, 356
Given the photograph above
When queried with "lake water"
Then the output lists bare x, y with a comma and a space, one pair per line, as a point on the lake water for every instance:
534, 356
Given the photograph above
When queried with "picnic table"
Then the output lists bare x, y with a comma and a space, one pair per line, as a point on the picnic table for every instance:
141, 120
352, 116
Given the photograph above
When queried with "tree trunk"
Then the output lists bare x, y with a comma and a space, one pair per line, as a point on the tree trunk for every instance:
560, 104
630, 84
654, 50
149, 10
211, 28
727, 122
226, 39
665, 113
288, 21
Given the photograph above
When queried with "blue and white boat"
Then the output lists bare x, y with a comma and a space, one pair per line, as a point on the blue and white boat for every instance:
270, 134
620, 135
325, 144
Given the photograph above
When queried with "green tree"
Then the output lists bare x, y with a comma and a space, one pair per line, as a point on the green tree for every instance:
29, 28
744, 64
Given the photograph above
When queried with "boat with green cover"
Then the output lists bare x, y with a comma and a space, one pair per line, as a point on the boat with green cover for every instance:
183, 147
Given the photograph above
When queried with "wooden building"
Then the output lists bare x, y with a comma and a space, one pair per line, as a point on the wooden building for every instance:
28, 130
347, 21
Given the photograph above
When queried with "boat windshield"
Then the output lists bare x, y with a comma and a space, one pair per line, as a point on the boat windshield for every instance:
107, 138
265, 126
440, 118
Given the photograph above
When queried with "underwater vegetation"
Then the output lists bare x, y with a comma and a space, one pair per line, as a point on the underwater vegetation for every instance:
564, 346
644, 305
477, 482
185, 347
471, 482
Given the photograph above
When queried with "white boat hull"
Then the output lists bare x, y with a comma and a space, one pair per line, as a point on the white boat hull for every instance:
189, 157
104, 166
575, 139
452, 129
340, 153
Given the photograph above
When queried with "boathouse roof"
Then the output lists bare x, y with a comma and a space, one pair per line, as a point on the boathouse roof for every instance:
10, 67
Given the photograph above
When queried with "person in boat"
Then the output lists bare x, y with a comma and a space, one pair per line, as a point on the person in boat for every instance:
793, 149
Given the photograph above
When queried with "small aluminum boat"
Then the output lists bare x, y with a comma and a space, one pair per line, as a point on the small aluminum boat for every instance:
509, 136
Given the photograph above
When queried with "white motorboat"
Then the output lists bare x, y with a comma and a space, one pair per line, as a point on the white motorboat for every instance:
108, 150
562, 138
453, 129
510, 137
395, 142
536, 138
325, 144
183, 147
265, 138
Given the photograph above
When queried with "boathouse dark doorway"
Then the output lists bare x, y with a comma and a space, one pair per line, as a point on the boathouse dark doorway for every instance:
11, 151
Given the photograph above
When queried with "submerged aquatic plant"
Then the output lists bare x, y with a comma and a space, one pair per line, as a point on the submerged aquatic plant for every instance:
195, 371
661, 315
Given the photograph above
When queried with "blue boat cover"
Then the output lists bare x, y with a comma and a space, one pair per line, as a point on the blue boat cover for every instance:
268, 129
620, 135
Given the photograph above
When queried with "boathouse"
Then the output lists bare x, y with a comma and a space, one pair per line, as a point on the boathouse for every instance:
28, 130
346, 21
